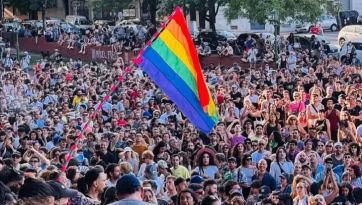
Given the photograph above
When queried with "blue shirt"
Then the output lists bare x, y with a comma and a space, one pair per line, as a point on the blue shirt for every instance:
210, 171
257, 156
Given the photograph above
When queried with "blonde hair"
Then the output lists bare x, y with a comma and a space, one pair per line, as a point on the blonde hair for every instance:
126, 167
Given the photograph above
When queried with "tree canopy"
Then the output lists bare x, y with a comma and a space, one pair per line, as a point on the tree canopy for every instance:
279, 10
25, 6
111, 5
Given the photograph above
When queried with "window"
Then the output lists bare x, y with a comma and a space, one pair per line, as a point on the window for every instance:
358, 46
256, 26
234, 27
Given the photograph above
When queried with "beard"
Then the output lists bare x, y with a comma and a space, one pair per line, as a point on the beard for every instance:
15, 189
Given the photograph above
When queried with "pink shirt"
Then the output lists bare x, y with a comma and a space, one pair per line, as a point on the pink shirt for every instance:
296, 107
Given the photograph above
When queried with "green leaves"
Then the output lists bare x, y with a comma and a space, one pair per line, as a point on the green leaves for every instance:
110, 5
266, 10
32, 5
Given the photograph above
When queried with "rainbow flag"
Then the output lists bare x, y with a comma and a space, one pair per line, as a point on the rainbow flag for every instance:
171, 60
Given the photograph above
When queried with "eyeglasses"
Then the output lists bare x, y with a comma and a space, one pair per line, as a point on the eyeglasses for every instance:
347, 157
16, 156
200, 192
33, 161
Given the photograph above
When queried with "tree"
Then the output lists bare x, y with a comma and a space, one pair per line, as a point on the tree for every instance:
32, 6
110, 6
207, 9
276, 11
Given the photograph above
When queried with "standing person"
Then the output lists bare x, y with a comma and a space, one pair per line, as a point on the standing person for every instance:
130, 191
178, 170
205, 159
302, 194
263, 175
25, 61
260, 153
113, 172
281, 165
332, 114
291, 61
93, 183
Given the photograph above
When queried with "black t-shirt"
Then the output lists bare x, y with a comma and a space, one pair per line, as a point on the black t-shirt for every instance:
110, 157
289, 86
236, 95
308, 86
355, 112
340, 200
316, 45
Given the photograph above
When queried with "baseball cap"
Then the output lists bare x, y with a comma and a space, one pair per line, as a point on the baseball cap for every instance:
162, 164
16, 153
127, 184
128, 149
343, 96
306, 166
265, 190
35, 188
328, 159
232, 159
60, 191
235, 192
338, 144
196, 179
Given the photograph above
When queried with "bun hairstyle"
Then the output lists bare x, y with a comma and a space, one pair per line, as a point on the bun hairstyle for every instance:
85, 182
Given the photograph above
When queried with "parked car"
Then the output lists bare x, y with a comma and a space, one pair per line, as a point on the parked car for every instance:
350, 33
12, 26
229, 36
304, 41
70, 28
111, 24
359, 19
327, 22
210, 37
80, 22
357, 44
242, 38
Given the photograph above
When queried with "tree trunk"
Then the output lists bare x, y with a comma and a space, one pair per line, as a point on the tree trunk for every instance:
192, 12
153, 9
212, 15
202, 14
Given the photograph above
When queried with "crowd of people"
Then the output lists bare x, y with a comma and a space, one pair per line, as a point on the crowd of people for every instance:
289, 132
128, 37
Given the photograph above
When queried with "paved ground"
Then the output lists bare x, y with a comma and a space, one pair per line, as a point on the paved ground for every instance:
332, 37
